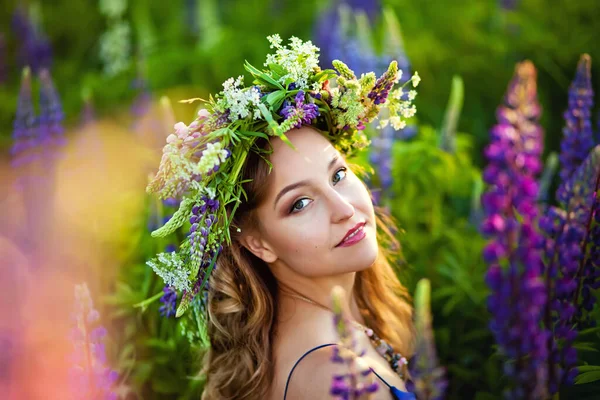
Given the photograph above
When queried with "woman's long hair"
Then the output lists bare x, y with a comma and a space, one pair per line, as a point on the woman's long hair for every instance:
242, 302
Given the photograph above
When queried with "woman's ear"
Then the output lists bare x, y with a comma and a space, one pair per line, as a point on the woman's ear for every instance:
257, 246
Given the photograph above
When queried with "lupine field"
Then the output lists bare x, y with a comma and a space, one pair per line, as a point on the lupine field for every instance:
494, 184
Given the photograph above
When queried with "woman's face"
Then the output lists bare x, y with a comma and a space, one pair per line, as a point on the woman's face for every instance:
313, 200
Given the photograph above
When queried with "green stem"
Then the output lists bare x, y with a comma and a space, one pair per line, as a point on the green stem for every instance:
147, 302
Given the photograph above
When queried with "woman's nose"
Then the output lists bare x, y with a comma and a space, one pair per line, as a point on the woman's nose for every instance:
341, 207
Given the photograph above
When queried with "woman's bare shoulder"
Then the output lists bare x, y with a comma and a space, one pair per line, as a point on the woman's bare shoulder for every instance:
312, 377
291, 342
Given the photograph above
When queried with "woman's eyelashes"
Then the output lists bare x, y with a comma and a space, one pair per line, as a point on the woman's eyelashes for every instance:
298, 205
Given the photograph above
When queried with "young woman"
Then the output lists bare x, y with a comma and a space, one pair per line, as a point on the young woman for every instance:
278, 219
270, 291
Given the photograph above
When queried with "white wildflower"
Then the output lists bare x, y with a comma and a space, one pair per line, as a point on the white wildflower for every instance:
171, 268
299, 60
408, 112
415, 79
397, 94
412, 94
238, 100
397, 122
213, 155
275, 41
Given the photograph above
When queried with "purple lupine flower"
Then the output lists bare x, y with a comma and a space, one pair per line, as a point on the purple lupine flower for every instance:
427, 378
91, 378
35, 50
51, 113
25, 126
382, 87
380, 157
304, 113
578, 134
202, 220
572, 257
169, 300
513, 253
332, 36
359, 380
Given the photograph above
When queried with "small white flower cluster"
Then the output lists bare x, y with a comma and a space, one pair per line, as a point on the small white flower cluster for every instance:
213, 155
401, 109
115, 48
115, 43
171, 269
299, 60
238, 100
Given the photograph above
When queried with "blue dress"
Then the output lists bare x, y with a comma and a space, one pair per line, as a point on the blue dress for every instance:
397, 394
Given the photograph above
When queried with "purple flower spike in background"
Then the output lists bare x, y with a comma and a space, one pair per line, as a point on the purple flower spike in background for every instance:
578, 134
359, 379
35, 50
573, 258
513, 253
428, 380
24, 127
51, 112
90, 376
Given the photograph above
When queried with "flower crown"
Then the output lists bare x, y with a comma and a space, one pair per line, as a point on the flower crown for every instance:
201, 163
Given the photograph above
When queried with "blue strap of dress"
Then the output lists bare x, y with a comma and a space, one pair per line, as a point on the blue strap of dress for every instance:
397, 393
300, 359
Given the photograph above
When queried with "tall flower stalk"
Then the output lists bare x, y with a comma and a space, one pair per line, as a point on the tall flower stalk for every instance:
571, 249
573, 257
359, 380
518, 294
427, 377
25, 124
578, 134
91, 378
34, 49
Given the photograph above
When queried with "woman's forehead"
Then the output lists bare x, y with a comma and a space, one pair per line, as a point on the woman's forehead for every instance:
311, 148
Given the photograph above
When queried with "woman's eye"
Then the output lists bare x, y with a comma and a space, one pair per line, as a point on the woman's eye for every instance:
337, 174
299, 205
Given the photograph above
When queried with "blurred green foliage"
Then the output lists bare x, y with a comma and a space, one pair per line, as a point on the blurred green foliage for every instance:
475, 39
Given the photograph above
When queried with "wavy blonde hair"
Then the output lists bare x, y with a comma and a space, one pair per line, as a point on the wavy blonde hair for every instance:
242, 301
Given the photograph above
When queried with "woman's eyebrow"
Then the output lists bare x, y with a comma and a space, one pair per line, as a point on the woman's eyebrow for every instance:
302, 183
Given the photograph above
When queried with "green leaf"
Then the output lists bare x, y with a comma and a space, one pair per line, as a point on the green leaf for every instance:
261, 76
589, 346
278, 69
589, 330
257, 134
588, 368
587, 377
276, 97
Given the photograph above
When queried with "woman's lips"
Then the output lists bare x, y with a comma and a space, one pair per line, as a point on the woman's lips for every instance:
356, 236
